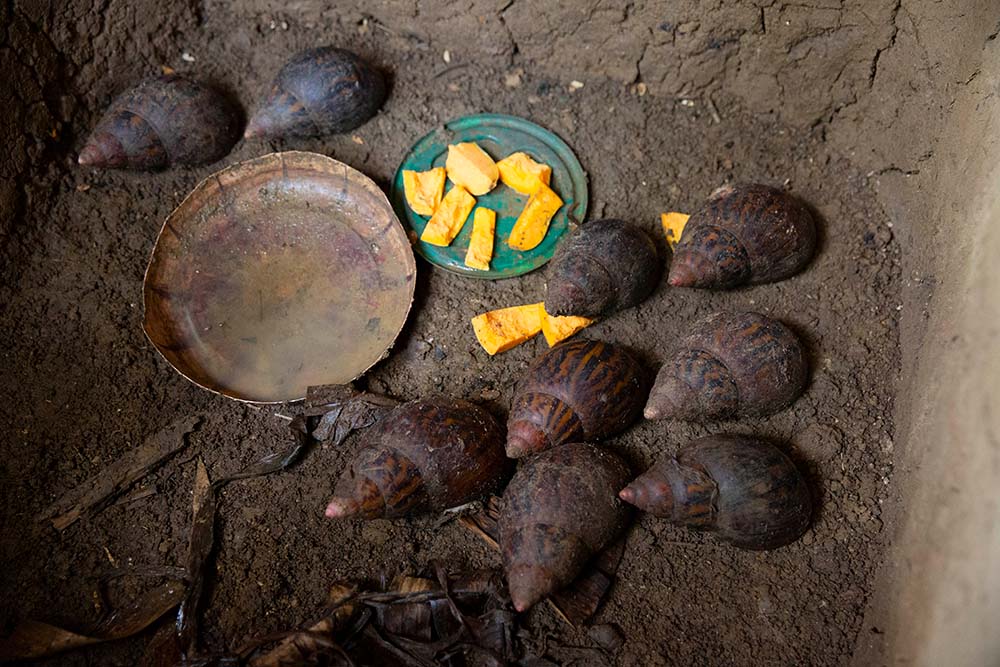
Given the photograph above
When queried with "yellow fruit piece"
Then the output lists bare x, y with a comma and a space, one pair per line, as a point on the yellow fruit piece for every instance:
556, 329
468, 165
673, 226
520, 172
533, 223
424, 189
500, 330
449, 217
480, 252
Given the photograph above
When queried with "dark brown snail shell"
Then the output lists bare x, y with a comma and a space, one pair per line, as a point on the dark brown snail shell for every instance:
165, 121
730, 365
579, 390
743, 235
319, 91
607, 265
559, 511
425, 455
744, 490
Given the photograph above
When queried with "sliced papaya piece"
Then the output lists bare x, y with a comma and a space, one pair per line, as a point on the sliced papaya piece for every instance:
424, 189
557, 329
471, 167
449, 217
480, 252
533, 222
673, 226
500, 330
520, 172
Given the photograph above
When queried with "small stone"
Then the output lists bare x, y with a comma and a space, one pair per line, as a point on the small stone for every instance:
187, 57
453, 87
447, 56
640, 89
358, 140
513, 79
575, 85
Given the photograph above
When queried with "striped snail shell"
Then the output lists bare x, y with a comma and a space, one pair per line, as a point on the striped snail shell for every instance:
730, 365
425, 455
163, 122
743, 235
581, 390
743, 489
319, 91
559, 511
607, 265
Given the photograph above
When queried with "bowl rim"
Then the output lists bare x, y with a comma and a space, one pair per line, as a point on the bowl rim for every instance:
331, 165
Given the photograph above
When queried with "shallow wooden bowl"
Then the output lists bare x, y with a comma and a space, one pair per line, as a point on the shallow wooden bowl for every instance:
278, 273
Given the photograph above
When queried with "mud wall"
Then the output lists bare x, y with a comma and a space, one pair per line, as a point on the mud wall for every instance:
907, 87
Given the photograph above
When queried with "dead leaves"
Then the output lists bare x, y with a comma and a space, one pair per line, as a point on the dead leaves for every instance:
99, 491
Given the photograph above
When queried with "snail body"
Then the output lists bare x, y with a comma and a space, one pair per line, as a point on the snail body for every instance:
581, 390
730, 365
559, 511
425, 455
164, 121
744, 490
607, 265
743, 235
319, 91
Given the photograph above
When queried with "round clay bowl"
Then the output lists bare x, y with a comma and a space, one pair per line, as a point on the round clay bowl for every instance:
276, 274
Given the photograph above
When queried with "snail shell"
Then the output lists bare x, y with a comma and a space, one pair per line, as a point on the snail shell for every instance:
607, 265
425, 455
319, 91
743, 235
559, 511
162, 122
744, 490
730, 365
579, 390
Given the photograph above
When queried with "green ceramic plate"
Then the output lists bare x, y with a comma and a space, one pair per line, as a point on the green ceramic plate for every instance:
499, 136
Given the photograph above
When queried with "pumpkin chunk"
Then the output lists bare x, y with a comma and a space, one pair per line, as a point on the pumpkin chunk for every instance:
468, 165
533, 223
556, 329
480, 252
449, 217
673, 226
424, 189
500, 330
520, 172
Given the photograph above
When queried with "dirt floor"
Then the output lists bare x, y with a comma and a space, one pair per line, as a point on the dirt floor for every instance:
80, 384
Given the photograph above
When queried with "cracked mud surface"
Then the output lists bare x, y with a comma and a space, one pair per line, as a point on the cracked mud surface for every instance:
80, 384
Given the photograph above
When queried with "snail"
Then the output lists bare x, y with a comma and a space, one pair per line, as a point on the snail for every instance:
425, 455
581, 390
744, 490
743, 235
559, 511
607, 265
319, 91
162, 122
730, 365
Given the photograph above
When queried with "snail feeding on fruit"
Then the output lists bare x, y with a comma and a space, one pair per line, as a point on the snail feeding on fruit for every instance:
425, 455
581, 390
559, 511
163, 122
730, 365
319, 91
607, 265
744, 490
743, 235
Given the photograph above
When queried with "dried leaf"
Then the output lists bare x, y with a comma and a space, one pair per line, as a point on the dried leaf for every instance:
33, 639
576, 603
200, 546
162, 650
333, 412
99, 491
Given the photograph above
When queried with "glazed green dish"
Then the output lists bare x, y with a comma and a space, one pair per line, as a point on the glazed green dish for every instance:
499, 136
